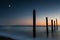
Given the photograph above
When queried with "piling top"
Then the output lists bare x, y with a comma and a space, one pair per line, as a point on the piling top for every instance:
51, 19
33, 10
56, 19
46, 17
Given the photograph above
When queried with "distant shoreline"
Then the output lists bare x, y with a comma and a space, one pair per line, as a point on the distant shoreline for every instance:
25, 25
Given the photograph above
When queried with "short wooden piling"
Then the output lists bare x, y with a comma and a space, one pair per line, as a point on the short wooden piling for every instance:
52, 25
47, 26
56, 24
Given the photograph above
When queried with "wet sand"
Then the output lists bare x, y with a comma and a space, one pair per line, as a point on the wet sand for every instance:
5, 38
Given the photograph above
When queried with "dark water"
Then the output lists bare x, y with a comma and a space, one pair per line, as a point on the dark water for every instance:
26, 33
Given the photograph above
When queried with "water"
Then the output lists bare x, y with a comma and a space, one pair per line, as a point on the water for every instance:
26, 33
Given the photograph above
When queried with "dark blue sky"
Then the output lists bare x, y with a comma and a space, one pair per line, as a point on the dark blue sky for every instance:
20, 11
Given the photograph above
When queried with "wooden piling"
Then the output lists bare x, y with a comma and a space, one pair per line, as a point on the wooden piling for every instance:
52, 25
34, 23
56, 24
47, 26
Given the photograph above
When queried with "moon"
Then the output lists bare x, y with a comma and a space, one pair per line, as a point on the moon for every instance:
9, 5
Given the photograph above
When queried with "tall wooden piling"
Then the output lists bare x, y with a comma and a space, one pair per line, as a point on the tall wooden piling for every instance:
34, 23
56, 24
47, 26
52, 25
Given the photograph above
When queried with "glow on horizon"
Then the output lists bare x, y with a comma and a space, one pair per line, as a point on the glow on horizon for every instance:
29, 22
40, 20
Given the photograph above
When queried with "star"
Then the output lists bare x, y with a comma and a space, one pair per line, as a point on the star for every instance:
9, 5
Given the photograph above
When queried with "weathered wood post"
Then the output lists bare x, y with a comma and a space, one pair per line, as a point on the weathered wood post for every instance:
34, 23
56, 24
52, 25
47, 26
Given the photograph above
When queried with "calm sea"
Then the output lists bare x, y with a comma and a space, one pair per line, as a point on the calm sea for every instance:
26, 33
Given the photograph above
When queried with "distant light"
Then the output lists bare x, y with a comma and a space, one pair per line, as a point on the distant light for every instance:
9, 5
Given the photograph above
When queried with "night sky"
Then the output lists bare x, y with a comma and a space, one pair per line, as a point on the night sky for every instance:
20, 12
